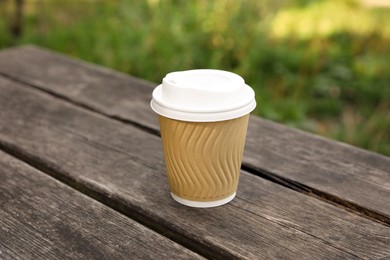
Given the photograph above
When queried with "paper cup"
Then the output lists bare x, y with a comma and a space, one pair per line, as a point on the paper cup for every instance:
203, 159
203, 136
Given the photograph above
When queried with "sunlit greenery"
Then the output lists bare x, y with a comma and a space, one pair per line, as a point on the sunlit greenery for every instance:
323, 66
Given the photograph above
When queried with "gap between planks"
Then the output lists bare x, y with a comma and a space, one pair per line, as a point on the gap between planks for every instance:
285, 182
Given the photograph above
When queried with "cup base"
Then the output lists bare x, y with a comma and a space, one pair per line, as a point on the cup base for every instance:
203, 204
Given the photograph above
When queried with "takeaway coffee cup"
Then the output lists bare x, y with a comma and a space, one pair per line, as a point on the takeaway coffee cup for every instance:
203, 116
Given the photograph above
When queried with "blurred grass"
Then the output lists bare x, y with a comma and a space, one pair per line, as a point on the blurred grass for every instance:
322, 66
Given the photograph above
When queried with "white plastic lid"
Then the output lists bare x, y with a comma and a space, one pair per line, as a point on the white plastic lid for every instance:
203, 95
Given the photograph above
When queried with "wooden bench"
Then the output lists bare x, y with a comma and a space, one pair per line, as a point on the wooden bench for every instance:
82, 176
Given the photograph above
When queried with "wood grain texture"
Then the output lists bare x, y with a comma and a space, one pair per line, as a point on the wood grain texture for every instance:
344, 172
41, 218
123, 167
350, 176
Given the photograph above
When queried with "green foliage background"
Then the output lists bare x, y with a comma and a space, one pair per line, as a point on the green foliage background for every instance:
322, 66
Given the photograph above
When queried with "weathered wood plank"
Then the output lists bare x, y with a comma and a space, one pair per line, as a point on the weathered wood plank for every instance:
123, 167
41, 218
344, 173
339, 172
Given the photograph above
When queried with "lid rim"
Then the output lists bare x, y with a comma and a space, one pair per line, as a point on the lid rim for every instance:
167, 106
203, 116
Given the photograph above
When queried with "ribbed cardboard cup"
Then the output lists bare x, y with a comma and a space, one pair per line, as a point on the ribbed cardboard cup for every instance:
203, 116
203, 159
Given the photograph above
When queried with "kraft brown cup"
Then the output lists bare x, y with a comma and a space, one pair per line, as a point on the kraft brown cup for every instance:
203, 159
